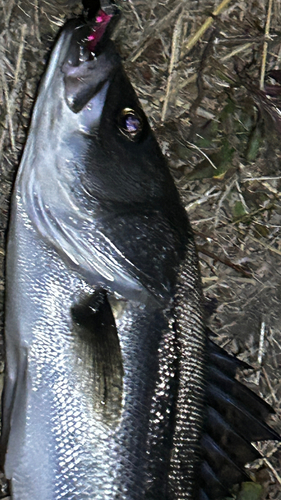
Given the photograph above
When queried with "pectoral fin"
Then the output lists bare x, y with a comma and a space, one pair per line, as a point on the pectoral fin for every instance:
96, 327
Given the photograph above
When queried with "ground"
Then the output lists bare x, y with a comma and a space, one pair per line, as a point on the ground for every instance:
213, 97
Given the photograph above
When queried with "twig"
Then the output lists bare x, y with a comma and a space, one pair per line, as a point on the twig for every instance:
20, 53
224, 261
273, 470
198, 201
20, 7
9, 11
262, 243
260, 351
264, 460
175, 54
265, 44
136, 14
242, 199
236, 279
156, 28
228, 188
9, 111
36, 18
269, 385
187, 81
10, 100
247, 179
236, 51
2, 141
207, 279
193, 146
4, 11
199, 33
256, 240
193, 111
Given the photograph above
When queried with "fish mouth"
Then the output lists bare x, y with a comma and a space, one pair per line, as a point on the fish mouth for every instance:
91, 58
103, 25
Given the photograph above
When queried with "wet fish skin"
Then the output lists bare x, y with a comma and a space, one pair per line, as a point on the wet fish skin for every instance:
96, 222
113, 389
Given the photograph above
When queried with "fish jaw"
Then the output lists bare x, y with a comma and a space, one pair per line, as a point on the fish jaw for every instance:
91, 59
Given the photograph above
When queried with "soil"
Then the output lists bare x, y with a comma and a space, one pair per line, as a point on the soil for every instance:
214, 100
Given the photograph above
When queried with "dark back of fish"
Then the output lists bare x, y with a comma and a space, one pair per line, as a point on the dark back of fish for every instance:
107, 362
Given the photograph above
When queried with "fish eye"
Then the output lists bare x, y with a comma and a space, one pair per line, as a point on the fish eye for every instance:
130, 123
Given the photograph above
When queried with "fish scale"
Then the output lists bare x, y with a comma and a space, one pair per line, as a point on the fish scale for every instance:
191, 373
62, 396
113, 389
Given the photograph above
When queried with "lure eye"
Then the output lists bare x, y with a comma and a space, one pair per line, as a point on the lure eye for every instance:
130, 123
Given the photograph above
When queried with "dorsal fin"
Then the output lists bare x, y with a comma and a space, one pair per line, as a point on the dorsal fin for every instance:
235, 417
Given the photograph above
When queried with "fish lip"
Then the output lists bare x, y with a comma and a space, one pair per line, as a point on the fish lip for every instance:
91, 58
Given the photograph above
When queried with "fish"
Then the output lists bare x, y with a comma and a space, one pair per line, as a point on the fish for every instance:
113, 387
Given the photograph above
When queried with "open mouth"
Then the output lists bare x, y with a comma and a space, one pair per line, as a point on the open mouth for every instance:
91, 58
100, 27
103, 25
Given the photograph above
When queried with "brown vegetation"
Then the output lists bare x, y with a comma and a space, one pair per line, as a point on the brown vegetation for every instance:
208, 74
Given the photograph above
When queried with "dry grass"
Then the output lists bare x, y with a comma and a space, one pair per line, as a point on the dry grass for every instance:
209, 79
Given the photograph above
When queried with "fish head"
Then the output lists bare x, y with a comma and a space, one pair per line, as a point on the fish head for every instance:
122, 162
93, 173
